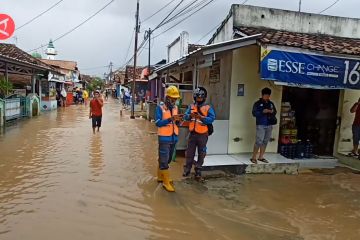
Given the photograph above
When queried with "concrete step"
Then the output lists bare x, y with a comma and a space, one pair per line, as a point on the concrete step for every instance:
241, 164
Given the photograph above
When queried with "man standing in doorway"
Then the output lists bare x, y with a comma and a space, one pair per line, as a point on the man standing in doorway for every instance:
356, 129
95, 114
265, 113
201, 117
167, 119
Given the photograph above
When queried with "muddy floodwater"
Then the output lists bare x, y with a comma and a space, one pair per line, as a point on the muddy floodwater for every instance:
59, 181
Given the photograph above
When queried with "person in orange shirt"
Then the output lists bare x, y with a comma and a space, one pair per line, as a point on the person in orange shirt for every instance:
95, 114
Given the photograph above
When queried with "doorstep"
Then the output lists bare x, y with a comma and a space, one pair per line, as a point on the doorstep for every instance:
241, 164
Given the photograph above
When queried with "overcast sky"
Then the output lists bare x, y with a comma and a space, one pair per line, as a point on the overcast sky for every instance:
106, 37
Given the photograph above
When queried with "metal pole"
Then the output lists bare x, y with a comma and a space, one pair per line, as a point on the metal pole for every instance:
149, 70
299, 5
6, 79
135, 58
149, 59
111, 72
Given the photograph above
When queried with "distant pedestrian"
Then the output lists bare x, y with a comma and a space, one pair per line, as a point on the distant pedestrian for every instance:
356, 129
85, 96
63, 97
95, 114
106, 95
265, 113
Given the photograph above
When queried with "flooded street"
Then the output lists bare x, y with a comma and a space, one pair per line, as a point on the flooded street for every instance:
59, 181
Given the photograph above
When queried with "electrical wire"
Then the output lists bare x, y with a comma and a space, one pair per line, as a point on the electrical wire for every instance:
138, 51
131, 40
184, 19
333, 4
93, 68
147, 18
213, 29
171, 12
76, 27
39, 15
181, 11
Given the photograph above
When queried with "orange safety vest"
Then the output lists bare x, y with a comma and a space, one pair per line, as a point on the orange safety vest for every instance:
197, 125
171, 128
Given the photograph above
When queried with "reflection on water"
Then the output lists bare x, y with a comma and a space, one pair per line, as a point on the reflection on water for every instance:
59, 181
96, 155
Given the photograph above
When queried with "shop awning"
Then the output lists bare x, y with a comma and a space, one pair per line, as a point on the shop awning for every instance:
309, 69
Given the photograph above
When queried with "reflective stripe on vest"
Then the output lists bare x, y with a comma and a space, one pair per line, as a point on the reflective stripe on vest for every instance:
197, 125
171, 128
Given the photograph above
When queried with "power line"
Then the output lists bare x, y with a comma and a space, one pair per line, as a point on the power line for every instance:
184, 19
39, 15
171, 12
142, 45
218, 25
158, 11
329, 6
182, 11
140, 48
213, 29
76, 27
93, 68
131, 40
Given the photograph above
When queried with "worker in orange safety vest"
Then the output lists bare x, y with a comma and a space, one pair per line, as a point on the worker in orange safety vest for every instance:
201, 117
167, 120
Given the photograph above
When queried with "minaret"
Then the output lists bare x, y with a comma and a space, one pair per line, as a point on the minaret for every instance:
50, 51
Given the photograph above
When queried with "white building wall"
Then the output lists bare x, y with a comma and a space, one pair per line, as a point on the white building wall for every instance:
245, 70
253, 16
179, 47
226, 33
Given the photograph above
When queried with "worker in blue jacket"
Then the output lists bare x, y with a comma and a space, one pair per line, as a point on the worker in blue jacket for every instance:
167, 119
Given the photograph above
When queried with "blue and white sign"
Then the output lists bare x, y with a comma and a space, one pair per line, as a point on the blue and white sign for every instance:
300, 69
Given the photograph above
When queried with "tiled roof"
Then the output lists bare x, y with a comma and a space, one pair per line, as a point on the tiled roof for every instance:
314, 42
69, 65
11, 52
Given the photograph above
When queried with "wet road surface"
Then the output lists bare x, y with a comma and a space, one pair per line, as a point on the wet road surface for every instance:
59, 181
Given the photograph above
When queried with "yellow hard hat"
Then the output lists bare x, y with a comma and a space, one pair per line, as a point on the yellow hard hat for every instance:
173, 92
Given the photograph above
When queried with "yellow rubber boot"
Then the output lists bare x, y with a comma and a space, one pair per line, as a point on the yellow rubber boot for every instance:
166, 181
160, 177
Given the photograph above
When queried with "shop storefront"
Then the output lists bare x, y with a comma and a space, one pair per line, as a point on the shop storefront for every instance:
49, 90
311, 109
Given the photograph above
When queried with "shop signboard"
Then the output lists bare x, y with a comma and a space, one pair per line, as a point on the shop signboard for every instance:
305, 69
54, 77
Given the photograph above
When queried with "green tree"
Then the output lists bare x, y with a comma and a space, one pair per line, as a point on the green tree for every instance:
96, 83
5, 87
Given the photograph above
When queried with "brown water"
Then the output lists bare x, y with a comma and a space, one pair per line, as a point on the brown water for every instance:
59, 181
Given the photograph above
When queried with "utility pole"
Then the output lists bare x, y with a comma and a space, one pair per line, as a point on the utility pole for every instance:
111, 72
299, 5
149, 32
135, 58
